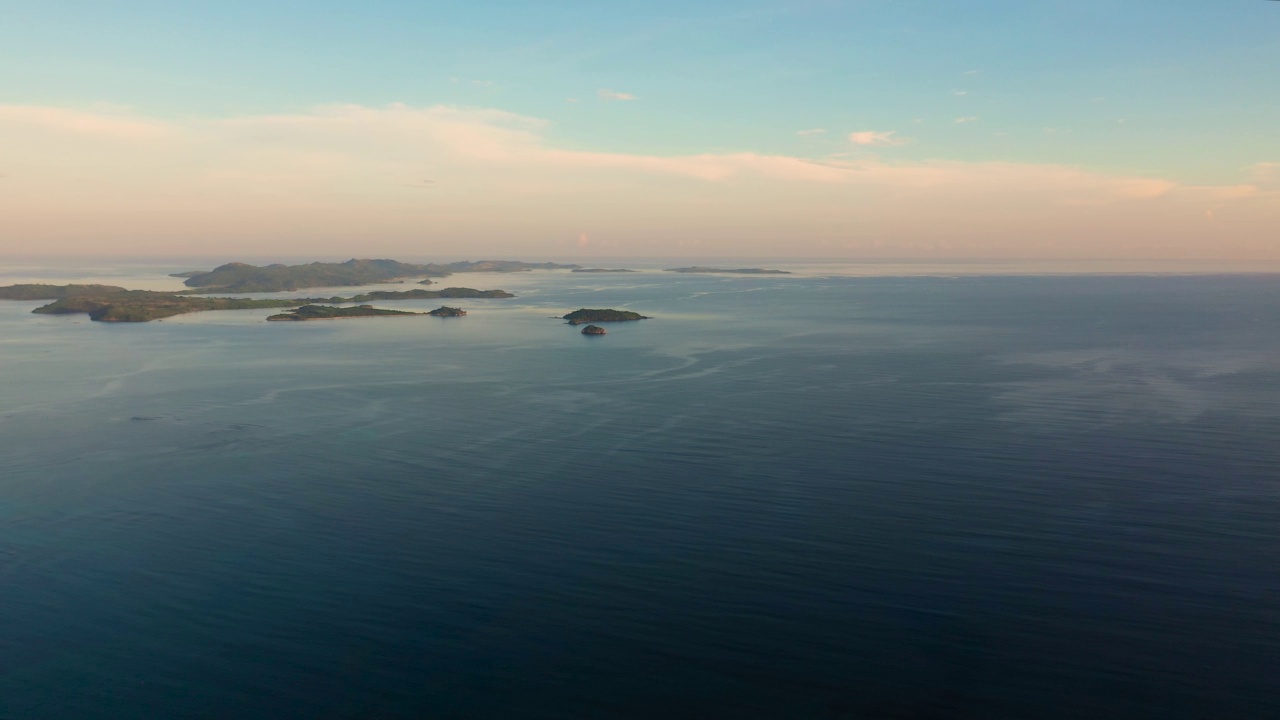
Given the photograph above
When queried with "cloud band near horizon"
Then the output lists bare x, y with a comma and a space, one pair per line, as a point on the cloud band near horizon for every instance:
349, 174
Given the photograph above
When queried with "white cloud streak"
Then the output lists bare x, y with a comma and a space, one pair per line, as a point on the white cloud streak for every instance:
610, 95
343, 180
876, 137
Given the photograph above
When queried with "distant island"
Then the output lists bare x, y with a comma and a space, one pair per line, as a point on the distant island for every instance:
446, 311
722, 271
579, 317
594, 330
601, 270
187, 274
147, 305
39, 291
328, 312
108, 303
243, 278
453, 292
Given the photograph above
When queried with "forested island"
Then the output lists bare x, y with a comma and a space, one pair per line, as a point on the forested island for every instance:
594, 330
41, 291
329, 312
453, 292
242, 277
446, 311
585, 315
723, 271
108, 303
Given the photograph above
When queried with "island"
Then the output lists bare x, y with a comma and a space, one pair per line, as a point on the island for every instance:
188, 274
242, 277
722, 271
108, 303
601, 270
40, 291
594, 330
453, 292
147, 305
446, 311
579, 317
328, 312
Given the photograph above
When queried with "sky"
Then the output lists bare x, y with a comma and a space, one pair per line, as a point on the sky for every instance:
856, 129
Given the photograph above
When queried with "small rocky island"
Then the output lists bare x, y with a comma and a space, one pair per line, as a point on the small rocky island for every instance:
446, 311
594, 330
722, 271
580, 317
329, 312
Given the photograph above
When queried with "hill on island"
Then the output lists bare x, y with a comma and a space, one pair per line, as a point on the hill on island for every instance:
146, 305
453, 292
241, 277
107, 303
328, 312
40, 291
585, 315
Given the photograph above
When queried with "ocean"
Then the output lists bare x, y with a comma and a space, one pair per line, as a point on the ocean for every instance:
823, 495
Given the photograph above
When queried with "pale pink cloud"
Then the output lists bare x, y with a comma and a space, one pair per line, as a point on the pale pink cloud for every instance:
120, 126
338, 174
1265, 172
876, 137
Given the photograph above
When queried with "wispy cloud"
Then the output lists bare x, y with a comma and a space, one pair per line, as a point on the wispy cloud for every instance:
483, 83
968, 119
970, 72
811, 131
959, 93
315, 180
1265, 172
609, 95
876, 137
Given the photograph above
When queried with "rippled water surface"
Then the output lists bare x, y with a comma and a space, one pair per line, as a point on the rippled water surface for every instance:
801, 497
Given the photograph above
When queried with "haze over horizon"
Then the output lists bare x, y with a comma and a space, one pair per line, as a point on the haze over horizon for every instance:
855, 130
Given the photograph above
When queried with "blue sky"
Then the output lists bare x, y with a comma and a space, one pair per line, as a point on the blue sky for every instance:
1182, 90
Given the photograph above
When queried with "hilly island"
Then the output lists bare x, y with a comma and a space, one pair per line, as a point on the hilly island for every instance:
585, 315
110, 303
329, 312
241, 277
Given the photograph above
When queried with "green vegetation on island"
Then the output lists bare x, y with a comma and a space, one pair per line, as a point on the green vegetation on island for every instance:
146, 305
579, 317
722, 271
446, 311
329, 312
453, 292
601, 270
40, 291
594, 330
241, 277
108, 303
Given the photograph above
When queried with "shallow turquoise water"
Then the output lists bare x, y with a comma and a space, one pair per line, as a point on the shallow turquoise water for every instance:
987, 497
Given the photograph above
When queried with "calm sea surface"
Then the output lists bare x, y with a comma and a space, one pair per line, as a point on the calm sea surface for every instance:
796, 497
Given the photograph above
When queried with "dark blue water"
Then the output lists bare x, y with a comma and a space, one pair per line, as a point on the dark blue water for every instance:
800, 497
